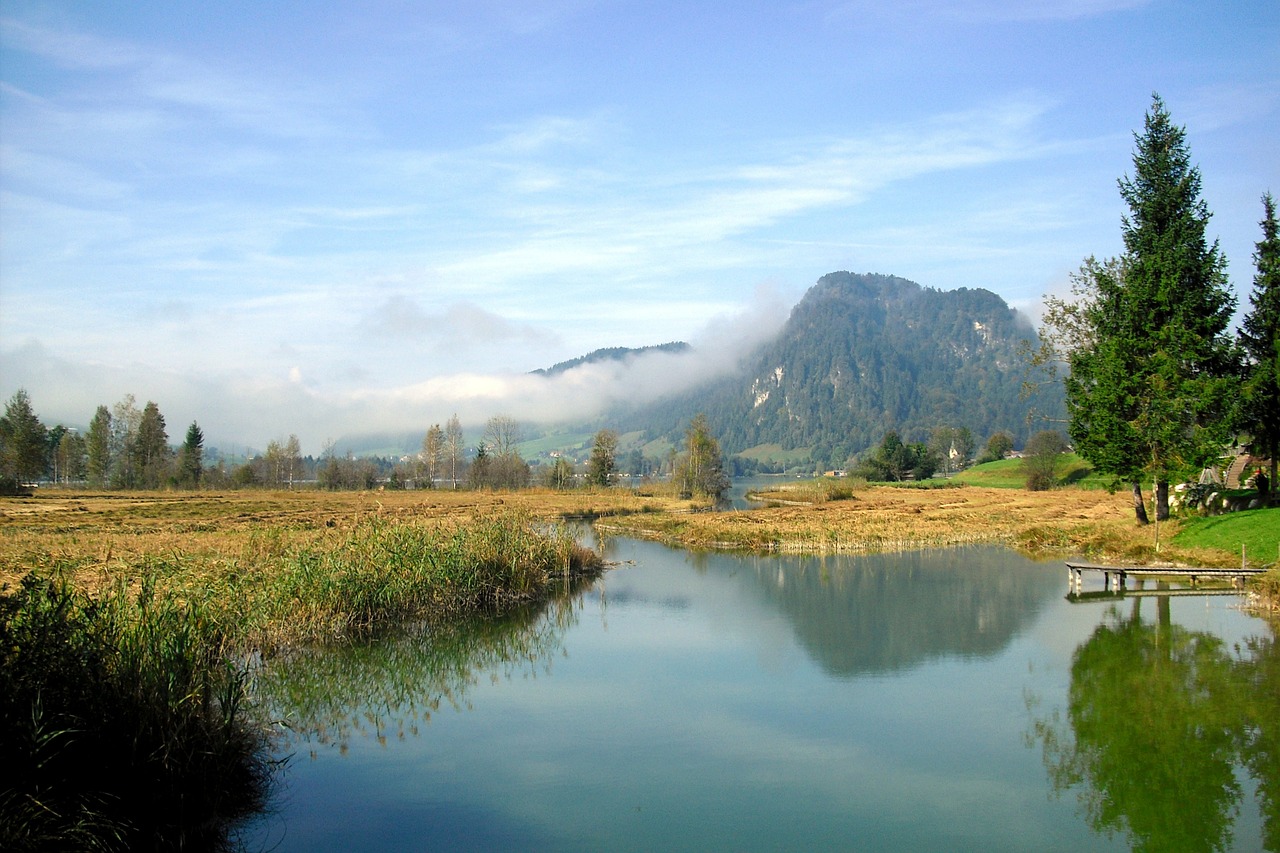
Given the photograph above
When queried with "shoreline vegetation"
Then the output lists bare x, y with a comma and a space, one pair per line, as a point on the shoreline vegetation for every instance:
130, 625
130, 622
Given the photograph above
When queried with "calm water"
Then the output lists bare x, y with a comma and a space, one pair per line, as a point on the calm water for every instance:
948, 700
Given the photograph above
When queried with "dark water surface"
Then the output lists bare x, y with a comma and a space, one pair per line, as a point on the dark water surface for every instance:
945, 700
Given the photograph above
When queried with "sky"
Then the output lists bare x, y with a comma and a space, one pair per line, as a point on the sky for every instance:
328, 219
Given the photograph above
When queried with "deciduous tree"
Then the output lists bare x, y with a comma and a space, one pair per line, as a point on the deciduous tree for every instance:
604, 458
433, 448
453, 447
700, 470
151, 448
1040, 459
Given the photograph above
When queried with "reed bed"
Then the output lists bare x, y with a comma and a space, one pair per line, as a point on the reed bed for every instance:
124, 724
125, 693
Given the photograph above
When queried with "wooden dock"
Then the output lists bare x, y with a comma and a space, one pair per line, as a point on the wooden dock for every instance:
1115, 578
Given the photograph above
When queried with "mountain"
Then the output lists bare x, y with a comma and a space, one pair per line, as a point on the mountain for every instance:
611, 354
864, 354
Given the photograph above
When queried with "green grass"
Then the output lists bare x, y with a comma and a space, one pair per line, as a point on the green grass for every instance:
1008, 474
1258, 530
776, 453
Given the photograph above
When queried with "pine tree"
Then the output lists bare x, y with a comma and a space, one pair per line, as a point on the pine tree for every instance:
1260, 338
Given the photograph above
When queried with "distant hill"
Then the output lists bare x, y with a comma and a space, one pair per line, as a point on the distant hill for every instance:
612, 354
863, 354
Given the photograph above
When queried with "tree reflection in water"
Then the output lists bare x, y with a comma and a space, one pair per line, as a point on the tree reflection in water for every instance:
389, 685
1160, 720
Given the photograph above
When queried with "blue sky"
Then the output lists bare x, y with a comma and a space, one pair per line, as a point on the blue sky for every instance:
327, 218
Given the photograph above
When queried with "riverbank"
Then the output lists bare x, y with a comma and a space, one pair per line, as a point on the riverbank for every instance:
804, 519
128, 624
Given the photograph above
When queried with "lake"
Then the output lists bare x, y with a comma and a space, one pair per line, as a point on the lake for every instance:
940, 700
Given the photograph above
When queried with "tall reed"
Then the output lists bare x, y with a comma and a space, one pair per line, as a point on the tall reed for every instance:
121, 723
125, 716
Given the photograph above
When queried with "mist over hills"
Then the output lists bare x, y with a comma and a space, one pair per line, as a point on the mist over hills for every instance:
859, 354
863, 354
612, 354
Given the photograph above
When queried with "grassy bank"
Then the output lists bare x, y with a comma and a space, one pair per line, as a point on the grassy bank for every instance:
124, 721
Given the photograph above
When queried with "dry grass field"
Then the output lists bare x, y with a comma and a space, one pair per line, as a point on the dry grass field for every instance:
880, 518
104, 534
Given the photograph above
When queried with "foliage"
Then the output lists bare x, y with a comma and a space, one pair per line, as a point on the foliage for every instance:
1040, 459
23, 440
998, 446
121, 723
602, 467
432, 455
894, 461
559, 474
191, 457
1145, 338
700, 469
1260, 337
99, 447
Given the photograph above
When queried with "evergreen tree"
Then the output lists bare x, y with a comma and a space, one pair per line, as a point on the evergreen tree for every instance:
24, 441
1148, 397
1260, 337
604, 458
98, 448
191, 457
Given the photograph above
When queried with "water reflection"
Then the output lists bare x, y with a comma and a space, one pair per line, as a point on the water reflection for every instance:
882, 613
1162, 725
387, 686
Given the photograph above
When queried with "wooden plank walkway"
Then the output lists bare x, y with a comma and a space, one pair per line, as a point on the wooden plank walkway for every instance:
1116, 577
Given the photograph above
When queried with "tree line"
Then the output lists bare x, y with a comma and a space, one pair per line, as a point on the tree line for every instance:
128, 448
1156, 384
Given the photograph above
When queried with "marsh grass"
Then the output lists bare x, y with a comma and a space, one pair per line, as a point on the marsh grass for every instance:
123, 723
128, 716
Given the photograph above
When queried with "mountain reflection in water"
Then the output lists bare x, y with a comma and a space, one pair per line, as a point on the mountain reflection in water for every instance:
926, 700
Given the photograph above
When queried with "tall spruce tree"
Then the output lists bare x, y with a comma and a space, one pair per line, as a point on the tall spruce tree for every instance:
24, 440
191, 457
1149, 397
1260, 337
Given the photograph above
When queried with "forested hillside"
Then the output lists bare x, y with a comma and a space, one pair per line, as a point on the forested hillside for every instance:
863, 354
